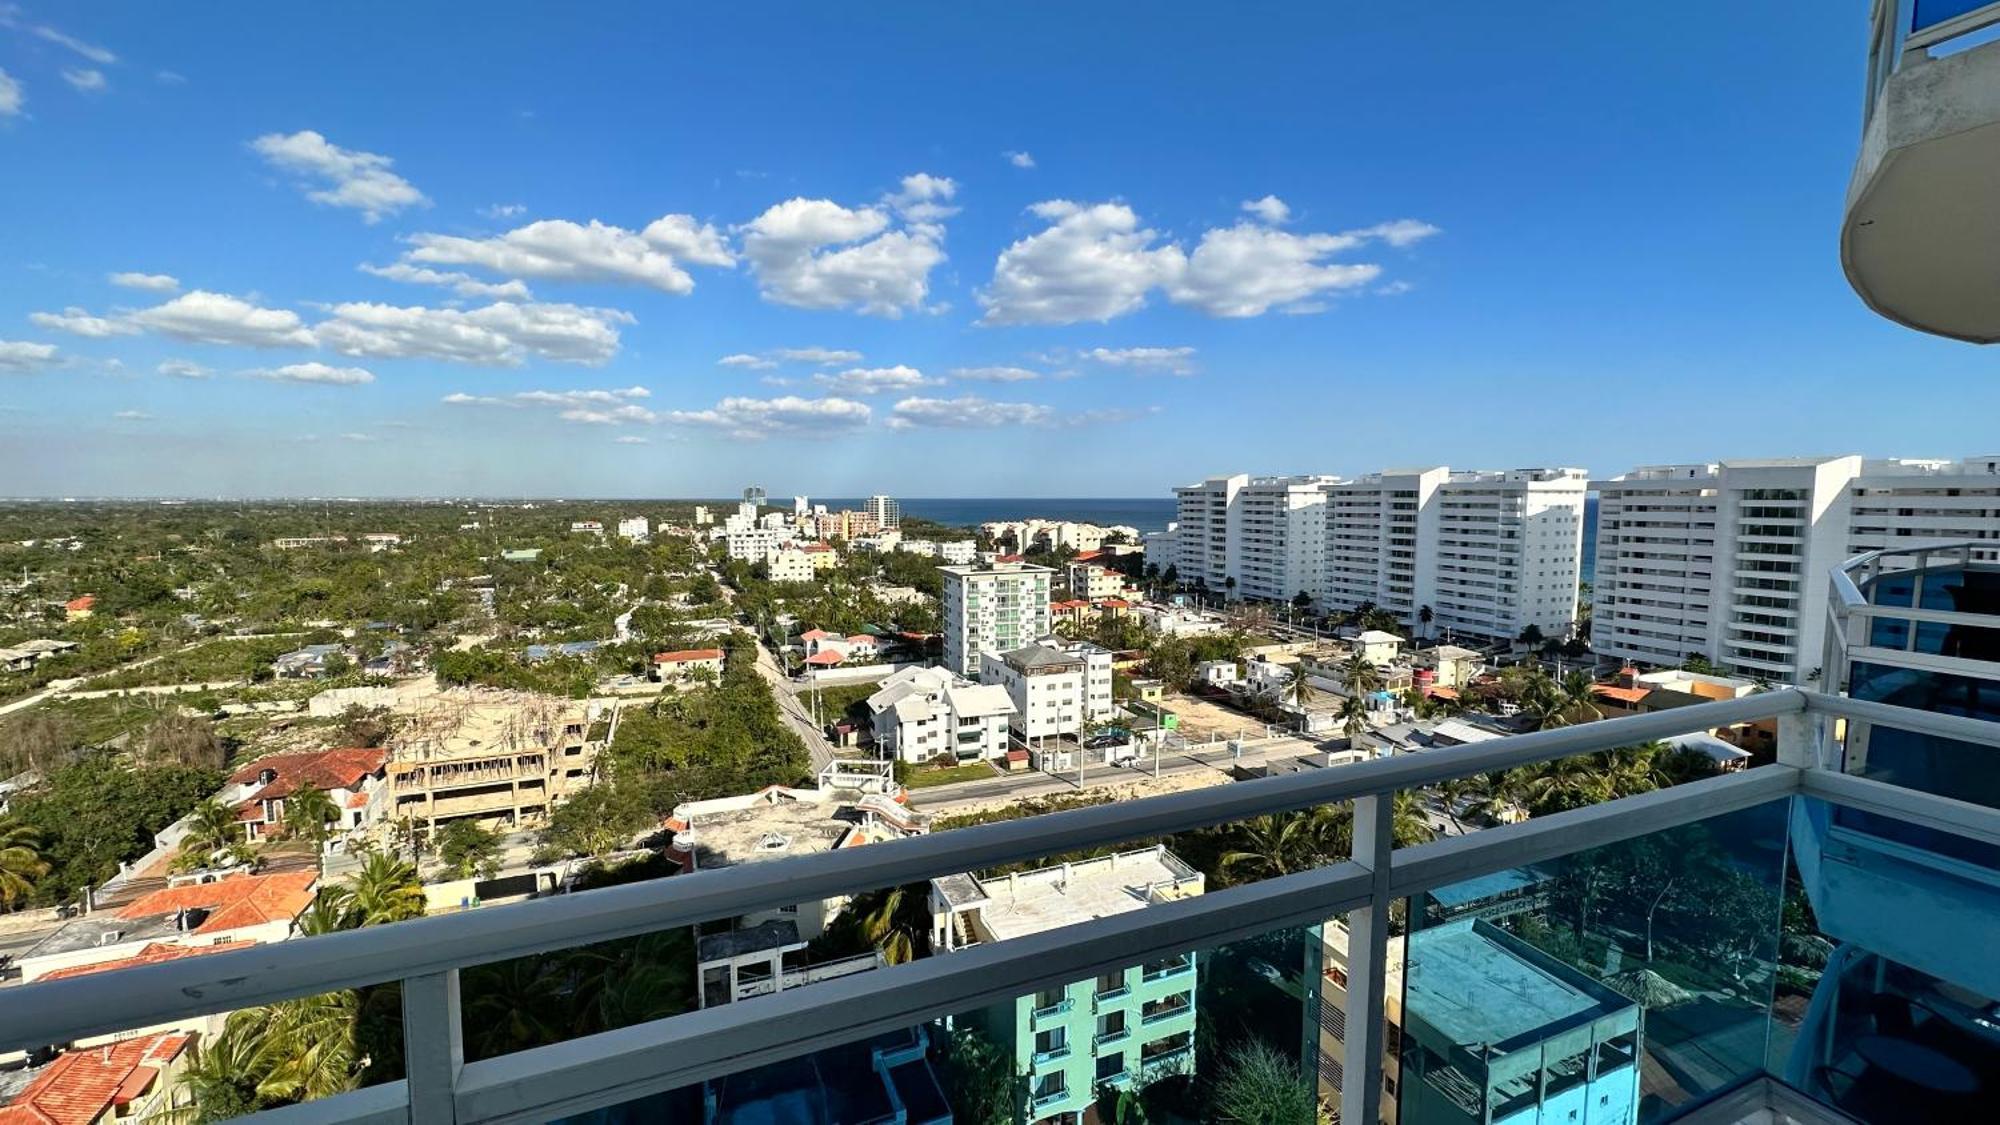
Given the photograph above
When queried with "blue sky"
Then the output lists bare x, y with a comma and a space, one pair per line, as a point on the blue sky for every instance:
955, 250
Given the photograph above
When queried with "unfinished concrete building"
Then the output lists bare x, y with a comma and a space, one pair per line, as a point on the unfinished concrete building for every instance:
502, 758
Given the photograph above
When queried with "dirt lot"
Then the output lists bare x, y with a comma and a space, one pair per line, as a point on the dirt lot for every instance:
1201, 718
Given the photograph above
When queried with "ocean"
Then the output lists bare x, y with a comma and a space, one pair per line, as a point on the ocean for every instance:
1146, 514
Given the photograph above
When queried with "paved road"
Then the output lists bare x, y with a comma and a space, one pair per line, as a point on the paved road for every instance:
793, 710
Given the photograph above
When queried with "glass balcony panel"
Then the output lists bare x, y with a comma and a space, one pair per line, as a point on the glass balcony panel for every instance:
1251, 1048
1617, 983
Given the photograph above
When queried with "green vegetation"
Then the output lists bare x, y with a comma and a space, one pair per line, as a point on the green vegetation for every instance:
96, 812
214, 661
923, 777
467, 850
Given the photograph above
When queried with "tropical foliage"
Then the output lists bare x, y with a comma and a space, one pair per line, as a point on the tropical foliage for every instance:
96, 812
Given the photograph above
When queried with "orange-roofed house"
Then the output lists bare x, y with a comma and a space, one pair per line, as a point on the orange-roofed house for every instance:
127, 1080
352, 777
76, 609
826, 658
153, 953
234, 908
671, 667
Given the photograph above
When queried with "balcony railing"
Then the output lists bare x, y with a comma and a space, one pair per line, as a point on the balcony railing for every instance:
543, 1083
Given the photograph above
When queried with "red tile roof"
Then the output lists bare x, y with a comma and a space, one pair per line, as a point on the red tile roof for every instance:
860, 639
825, 658
1621, 694
1087, 556
321, 769
234, 902
814, 635
1114, 603
817, 547
82, 603
687, 655
1011, 558
152, 954
82, 1086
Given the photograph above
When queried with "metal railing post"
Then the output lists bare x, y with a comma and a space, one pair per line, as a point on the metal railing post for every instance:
1367, 953
433, 1045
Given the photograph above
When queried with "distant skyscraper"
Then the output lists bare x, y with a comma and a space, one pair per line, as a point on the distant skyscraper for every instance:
992, 609
799, 506
888, 514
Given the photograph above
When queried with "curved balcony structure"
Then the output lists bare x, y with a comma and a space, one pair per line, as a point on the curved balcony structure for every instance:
1920, 239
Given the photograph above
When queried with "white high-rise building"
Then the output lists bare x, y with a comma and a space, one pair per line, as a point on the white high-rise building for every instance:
888, 514
1508, 552
994, 608
1202, 517
1488, 553
1373, 527
1276, 545
636, 528
1721, 560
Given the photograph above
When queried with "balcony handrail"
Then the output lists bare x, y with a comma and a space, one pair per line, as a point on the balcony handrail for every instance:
610, 1067
60, 1011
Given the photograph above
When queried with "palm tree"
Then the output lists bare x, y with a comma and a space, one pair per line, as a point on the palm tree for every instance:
218, 1081
386, 889
311, 814
1424, 617
1359, 674
300, 1049
212, 826
894, 920
1301, 690
1353, 717
21, 863
1576, 689
1282, 843
1407, 823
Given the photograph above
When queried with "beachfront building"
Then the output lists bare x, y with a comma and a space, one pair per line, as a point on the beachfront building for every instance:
1126, 1027
1720, 560
1508, 552
1202, 519
1276, 541
885, 511
992, 609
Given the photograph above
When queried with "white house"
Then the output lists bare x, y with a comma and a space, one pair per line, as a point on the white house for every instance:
635, 528
920, 713
670, 667
1378, 647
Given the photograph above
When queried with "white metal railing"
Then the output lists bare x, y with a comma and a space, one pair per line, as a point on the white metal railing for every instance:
616, 1066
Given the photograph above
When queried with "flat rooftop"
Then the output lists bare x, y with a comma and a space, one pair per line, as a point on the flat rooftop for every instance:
1033, 901
780, 822
1479, 985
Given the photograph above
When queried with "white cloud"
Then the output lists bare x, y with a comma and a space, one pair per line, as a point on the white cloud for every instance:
314, 372
85, 79
874, 380
1246, 269
91, 51
357, 437
132, 415
19, 357
1394, 289
1271, 209
747, 362
817, 254
503, 211
170, 77
151, 282
358, 180
629, 439
611, 407
501, 334
970, 412
995, 374
78, 322
11, 95
559, 250
1019, 159
818, 355
1095, 262
752, 418
183, 369
464, 284
1172, 361
218, 318
1398, 233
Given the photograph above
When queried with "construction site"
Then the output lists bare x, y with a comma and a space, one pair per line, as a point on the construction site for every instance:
501, 758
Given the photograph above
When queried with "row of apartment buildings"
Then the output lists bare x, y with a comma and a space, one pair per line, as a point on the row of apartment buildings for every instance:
1488, 553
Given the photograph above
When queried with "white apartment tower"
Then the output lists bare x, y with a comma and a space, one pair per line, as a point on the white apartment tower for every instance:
1508, 551
995, 608
1202, 518
888, 514
1276, 542
1727, 560
1373, 528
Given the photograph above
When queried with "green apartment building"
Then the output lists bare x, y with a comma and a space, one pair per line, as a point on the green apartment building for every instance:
1124, 1028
